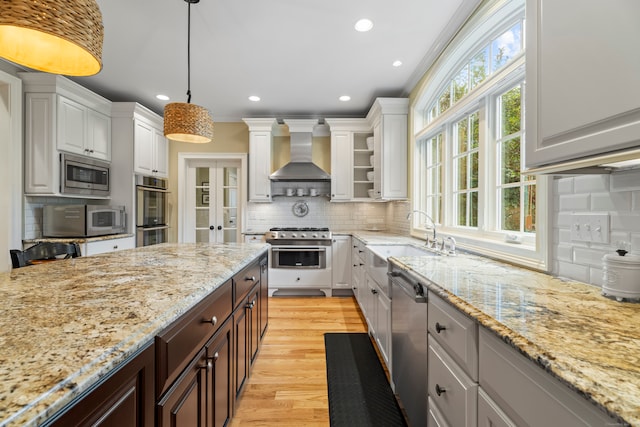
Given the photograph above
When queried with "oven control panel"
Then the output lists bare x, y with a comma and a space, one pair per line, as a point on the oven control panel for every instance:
298, 234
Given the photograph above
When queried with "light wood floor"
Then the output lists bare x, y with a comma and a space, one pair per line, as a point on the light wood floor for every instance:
288, 383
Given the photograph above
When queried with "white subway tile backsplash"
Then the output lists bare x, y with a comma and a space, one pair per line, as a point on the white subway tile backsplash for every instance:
625, 181
625, 222
563, 185
618, 195
590, 183
563, 220
564, 253
575, 202
610, 202
573, 271
590, 257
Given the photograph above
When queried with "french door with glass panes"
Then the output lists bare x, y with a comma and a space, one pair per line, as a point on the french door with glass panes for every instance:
212, 201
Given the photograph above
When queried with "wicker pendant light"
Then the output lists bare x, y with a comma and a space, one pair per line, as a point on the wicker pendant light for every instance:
55, 36
184, 121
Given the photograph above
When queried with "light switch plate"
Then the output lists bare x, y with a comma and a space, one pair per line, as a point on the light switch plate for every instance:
590, 227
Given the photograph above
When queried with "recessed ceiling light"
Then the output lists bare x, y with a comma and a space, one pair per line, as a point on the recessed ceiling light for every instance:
364, 25
254, 98
397, 63
162, 97
345, 98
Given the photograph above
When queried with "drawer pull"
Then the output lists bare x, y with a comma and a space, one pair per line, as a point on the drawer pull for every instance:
440, 328
213, 321
250, 305
250, 279
373, 291
440, 390
207, 366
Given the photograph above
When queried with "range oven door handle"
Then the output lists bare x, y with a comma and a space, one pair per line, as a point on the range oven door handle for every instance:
297, 249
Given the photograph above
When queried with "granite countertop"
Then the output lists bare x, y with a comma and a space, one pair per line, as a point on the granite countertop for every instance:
589, 342
66, 324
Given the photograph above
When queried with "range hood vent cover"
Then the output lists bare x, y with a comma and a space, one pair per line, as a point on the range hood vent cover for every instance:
300, 168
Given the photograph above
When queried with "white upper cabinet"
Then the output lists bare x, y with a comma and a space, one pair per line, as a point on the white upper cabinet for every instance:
350, 159
388, 117
138, 134
260, 138
150, 152
82, 130
583, 90
60, 115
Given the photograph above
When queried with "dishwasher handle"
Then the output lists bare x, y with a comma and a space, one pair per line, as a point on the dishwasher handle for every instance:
406, 284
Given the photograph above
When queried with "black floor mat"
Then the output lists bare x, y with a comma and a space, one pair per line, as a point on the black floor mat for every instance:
359, 393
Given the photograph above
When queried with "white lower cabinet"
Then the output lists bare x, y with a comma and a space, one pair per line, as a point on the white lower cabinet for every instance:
377, 312
450, 389
526, 394
341, 265
474, 378
452, 365
357, 273
383, 325
434, 416
104, 246
490, 414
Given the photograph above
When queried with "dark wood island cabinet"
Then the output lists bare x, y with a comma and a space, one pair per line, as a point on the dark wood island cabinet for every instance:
178, 354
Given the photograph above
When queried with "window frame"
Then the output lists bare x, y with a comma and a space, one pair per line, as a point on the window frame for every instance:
531, 249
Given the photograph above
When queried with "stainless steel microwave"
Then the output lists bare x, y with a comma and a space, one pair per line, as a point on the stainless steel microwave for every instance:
83, 176
83, 220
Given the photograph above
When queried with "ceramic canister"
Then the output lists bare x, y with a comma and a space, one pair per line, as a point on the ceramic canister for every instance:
621, 276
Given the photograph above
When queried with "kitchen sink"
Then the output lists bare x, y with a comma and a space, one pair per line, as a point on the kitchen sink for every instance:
385, 251
377, 260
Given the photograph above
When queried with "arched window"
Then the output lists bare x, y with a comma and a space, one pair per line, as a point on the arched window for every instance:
468, 120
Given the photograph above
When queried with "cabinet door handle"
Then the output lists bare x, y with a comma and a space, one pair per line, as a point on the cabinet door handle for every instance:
250, 305
440, 390
207, 366
440, 328
250, 279
373, 291
213, 321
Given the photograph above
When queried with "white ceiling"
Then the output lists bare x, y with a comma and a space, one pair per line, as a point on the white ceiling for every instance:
298, 56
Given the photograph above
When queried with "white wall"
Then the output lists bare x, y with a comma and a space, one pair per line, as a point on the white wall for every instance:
10, 166
617, 194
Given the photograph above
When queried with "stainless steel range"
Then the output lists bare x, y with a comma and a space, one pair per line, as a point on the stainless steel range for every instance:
299, 260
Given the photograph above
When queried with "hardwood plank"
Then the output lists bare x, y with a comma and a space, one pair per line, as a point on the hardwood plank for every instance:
288, 383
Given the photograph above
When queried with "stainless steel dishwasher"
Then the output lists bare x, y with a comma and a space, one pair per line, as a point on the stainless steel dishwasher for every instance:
409, 343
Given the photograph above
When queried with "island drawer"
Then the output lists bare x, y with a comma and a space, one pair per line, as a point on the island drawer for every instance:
455, 332
244, 282
177, 345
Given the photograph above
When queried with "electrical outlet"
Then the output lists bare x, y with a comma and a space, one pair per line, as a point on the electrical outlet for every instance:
590, 227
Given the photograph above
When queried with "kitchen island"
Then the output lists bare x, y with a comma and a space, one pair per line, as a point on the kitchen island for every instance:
65, 325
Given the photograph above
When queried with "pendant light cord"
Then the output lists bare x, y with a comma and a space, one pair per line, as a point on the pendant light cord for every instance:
189, 53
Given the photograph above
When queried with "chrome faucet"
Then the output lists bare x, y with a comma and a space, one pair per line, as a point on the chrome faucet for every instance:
452, 245
433, 223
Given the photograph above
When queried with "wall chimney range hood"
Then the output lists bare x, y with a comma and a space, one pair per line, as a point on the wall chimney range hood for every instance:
301, 168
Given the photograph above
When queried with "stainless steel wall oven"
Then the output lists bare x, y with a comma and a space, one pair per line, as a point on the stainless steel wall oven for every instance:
151, 212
